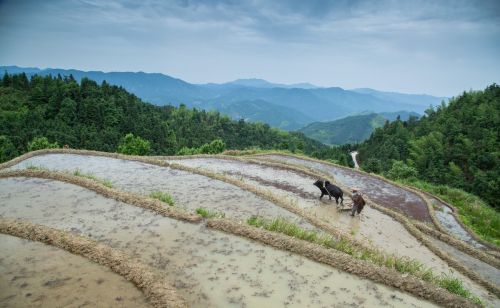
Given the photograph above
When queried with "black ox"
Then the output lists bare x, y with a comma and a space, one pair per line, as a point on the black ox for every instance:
330, 190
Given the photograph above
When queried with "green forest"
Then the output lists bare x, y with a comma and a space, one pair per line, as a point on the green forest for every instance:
55, 111
454, 144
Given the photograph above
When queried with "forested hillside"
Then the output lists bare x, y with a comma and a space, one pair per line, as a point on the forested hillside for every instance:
454, 144
87, 115
251, 99
351, 129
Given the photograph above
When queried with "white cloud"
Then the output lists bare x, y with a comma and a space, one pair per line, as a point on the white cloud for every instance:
439, 47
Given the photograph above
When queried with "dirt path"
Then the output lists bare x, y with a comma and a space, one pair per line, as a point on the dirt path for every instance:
353, 155
208, 268
33, 274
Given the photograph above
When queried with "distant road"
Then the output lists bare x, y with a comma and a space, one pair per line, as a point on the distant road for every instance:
353, 155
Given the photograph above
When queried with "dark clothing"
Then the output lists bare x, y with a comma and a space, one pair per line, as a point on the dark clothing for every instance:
358, 203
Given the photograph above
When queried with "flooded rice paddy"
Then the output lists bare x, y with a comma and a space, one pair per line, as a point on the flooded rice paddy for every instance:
450, 223
189, 191
379, 191
483, 269
37, 275
209, 268
379, 229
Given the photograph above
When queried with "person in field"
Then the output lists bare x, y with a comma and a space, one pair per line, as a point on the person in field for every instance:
358, 203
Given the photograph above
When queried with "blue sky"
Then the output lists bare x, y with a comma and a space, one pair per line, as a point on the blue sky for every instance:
435, 47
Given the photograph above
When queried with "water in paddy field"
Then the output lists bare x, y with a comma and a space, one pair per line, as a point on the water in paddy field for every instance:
190, 191
485, 270
379, 191
37, 275
379, 229
450, 223
209, 268
443, 213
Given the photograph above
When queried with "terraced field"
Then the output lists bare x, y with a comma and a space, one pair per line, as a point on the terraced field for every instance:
215, 262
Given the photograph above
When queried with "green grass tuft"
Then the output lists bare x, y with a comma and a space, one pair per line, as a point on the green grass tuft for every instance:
401, 264
209, 213
473, 212
104, 182
40, 168
163, 197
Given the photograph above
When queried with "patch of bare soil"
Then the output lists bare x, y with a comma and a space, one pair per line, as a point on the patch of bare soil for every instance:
209, 268
34, 274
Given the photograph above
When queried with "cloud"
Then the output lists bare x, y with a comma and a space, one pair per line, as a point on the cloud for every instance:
417, 46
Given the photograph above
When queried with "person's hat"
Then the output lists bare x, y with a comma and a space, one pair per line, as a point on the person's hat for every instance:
355, 189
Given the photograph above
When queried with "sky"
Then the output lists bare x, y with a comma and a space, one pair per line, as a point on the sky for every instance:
436, 47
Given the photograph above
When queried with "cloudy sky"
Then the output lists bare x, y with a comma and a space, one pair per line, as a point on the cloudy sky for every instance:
436, 47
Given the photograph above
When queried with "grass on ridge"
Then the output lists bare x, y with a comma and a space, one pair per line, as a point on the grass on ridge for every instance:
39, 168
163, 197
104, 182
401, 264
473, 212
205, 213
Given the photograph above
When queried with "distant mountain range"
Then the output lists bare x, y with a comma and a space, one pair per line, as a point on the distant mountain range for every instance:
289, 107
351, 129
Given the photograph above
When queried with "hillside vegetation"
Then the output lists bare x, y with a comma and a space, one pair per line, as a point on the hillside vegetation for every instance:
87, 115
455, 144
292, 106
351, 129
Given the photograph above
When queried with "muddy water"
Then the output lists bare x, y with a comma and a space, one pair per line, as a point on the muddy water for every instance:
381, 230
189, 191
377, 190
37, 275
287, 180
483, 269
450, 223
210, 269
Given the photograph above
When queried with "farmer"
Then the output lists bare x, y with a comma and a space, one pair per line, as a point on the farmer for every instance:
358, 203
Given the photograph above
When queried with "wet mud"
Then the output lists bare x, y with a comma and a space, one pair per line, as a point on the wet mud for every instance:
382, 231
37, 275
447, 220
485, 270
378, 190
465, 268
209, 268
189, 191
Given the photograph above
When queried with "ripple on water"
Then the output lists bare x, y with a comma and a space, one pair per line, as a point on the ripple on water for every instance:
34, 274
190, 191
210, 269
381, 192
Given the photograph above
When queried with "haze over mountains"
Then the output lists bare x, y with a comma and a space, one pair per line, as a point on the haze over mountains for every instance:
352, 129
289, 107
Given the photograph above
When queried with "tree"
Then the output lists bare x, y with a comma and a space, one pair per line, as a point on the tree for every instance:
39, 143
7, 149
132, 145
401, 171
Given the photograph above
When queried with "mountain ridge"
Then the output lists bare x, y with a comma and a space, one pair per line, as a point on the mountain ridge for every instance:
304, 105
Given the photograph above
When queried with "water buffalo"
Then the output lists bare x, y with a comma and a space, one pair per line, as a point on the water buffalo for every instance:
331, 190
